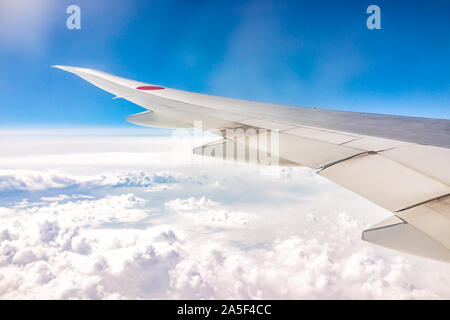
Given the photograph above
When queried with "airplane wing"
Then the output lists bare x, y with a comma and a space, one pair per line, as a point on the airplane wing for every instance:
399, 163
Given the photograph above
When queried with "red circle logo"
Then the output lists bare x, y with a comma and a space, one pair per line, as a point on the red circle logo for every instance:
149, 88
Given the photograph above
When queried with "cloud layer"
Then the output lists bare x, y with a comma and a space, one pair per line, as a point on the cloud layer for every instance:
196, 232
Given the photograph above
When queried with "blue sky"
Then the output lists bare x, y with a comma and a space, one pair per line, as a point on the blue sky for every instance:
308, 53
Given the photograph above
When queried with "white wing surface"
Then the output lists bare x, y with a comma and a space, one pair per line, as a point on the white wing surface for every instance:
399, 163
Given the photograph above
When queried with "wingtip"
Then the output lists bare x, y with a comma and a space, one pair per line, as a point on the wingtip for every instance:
75, 70
65, 68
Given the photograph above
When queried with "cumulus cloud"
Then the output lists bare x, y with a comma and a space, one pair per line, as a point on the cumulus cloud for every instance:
62, 197
34, 180
74, 250
330, 264
196, 232
204, 211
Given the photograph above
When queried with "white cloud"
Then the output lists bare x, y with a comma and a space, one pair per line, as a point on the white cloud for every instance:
34, 180
67, 251
204, 231
331, 264
62, 197
207, 212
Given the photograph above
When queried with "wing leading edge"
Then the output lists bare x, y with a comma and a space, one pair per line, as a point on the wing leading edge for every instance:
399, 163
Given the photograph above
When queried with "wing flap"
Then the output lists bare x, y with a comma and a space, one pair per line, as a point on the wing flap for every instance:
387, 183
375, 144
312, 153
432, 161
432, 218
396, 234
